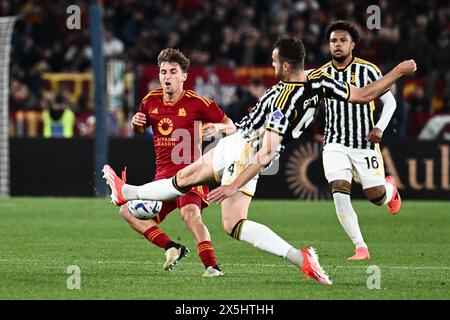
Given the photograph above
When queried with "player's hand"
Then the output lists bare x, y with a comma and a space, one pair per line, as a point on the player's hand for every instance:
407, 67
210, 130
374, 135
319, 137
219, 194
139, 119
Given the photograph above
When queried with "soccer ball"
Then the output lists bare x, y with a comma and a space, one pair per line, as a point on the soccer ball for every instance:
144, 209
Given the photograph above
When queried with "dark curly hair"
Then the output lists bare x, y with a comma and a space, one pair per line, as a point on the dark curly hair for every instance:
342, 25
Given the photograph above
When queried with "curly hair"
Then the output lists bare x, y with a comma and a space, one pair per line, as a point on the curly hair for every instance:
342, 25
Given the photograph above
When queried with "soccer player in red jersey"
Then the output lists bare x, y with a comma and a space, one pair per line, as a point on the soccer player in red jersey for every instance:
176, 117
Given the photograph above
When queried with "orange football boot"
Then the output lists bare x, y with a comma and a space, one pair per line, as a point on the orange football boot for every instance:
116, 184
396, 202
361, 253
311, 267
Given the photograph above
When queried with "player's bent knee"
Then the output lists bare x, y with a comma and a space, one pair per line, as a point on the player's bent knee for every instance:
191, 214
228, 225
379, 201
233, 229
341, 189
191, 217
376, 195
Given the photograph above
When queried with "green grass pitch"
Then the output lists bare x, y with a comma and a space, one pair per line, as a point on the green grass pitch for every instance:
41, 237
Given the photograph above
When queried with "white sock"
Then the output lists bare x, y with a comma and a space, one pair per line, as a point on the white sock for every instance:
389, 192
161, 190
348, 218
264, 238
295, 257
130, 192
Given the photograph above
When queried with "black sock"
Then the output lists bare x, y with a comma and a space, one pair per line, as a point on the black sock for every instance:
172, 244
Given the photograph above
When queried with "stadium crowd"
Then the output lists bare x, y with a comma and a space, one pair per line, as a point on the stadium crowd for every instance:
229, 33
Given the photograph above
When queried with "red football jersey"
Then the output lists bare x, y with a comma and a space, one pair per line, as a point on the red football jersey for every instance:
177, 128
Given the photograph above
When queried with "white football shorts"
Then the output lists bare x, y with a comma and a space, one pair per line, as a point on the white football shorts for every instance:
231, 156
344, 163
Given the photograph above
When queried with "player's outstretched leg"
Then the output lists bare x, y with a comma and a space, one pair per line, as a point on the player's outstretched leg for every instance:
396, 202
159, 190
265, 239
234, 219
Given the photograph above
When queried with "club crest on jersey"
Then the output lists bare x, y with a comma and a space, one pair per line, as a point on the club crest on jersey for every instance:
277, 116
181, 112
155, 111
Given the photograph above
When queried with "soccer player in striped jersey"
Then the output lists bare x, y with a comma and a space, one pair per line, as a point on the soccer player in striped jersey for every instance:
351, 141
176, 115
280, 116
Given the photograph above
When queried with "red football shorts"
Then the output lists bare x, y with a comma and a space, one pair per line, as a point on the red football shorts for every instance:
197, 196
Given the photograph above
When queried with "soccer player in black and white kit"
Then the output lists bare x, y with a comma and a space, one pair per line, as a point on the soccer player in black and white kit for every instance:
351, 141
280, 116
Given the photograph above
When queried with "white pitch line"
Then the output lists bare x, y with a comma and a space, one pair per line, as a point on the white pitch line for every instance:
262, 265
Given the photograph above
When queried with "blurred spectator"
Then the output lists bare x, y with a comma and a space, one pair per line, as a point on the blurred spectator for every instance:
419, 112
78, 55
256, 88
58, 119
446, 105
231, 33
25, 114
84, 118
167, 19
241, 106
20, 96
397, 125
112, 46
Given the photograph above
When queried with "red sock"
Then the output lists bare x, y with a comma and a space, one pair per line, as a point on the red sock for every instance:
157, 237
206, 254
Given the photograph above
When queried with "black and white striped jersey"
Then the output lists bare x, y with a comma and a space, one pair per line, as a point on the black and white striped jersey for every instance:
346, 123
289, 107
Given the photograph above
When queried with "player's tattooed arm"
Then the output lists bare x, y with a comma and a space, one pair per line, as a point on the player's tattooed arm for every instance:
375, 89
